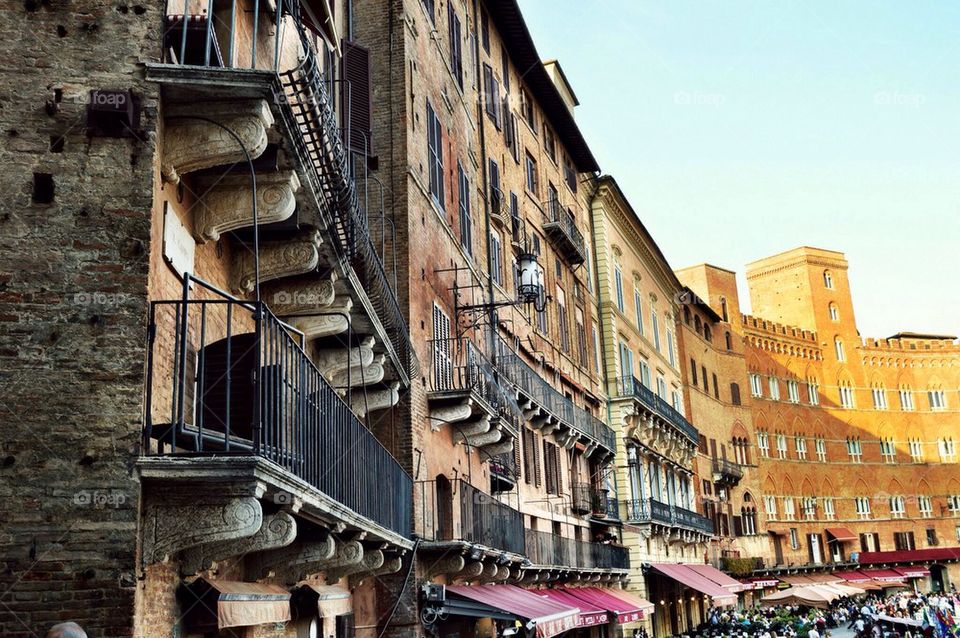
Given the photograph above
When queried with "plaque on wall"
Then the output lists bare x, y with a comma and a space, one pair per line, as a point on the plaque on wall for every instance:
179, 246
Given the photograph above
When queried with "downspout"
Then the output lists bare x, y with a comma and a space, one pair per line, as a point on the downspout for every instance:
481, 120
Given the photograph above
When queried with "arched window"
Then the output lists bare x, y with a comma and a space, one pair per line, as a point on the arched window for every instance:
833, 311
827, 279
728, 340
723, 309
706, 333
838, 349
696, 324
686, 315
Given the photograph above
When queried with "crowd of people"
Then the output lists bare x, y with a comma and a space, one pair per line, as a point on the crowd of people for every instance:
898, 615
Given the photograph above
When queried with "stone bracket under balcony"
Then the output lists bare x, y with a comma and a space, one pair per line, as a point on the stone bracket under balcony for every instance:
543, 574
227, 204
278, 259
472, 420
190, 144
276, 531
467, 562
648, 431
235, 486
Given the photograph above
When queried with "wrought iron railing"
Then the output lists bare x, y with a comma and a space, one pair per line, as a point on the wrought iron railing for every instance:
454, 510
581, 498
589, 499
556, 217
457, 365
631, 386
650, 510
545, 548
514, 368
226, 377
303, 98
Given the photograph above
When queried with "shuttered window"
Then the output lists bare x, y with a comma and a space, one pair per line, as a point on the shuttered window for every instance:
456, 40
435, 155
442, 362
357, 98
491, 95
537, 471
466, 222
551, 464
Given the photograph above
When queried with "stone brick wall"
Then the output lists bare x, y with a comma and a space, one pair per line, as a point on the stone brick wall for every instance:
73, 271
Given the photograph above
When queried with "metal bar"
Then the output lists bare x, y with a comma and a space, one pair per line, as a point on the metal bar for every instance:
206, 55
256, 28
232, 34
198, 396
229, 377
183, 36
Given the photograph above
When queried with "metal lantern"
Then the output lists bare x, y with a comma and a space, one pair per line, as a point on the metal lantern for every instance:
531, 288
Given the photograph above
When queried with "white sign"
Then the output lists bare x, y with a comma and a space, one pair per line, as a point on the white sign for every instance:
178, 244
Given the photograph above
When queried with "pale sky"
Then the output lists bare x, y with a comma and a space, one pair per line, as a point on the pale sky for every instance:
742, 128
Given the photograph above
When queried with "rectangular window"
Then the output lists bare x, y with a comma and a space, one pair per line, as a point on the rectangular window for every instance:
879, 398
897, 507
638, 307
505, 68
442, 361
854, 451
466, 223
813, 392
671, 355
531, 174
435, 156
925, 505
770, 507
676, 401
888, 450
763, 444
491, 94
562, 320
596, 348
626, 364
916, 450
526, 109
661, 388
735, 394
801, 445
756, 385
581, 332
456, 49
948, 450
932, 537
618, 285
569, 173
838, 346
821, 446
774, 385
862, 505
794, 537
793, 391
953, 503
645, 374
781, 446
496, 257
937, 399
829, 508
485, 30
496, 195
655, 326
906, 400
809, 505
904, 541
549, 143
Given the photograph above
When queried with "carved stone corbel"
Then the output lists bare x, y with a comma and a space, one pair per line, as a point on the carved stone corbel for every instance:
390, 566
484, 439
178, 524
489, 573
447, 565
329, 321
190, 144
227, 205
501, 447
530, 576
277, 530
286, 258
300, 295
372, 400
331, 360
357, 376
309, 557
471, 571
371, 561
454, 413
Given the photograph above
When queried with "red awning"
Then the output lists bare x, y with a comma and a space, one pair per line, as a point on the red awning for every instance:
841, 534
883, 575
853, 577
713, 574
913, 571
590, 614
909, 556
686, 576
549, 617
625, 607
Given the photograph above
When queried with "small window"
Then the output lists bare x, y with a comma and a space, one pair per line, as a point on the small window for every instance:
531, 174
435, 155
834, 312
734, 394
827, 280
838, 349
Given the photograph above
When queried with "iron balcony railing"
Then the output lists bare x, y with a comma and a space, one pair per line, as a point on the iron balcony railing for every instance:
590, 499
631, 386
277, 41
545, 548
457, 365
727, 469
561, 227
226, 377
454, 510
514, 368
650, 510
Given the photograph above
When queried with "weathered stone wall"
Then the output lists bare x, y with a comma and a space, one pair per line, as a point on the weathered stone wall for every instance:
73, 272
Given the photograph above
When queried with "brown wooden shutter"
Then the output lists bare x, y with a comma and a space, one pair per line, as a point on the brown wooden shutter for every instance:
357, 97
537, 475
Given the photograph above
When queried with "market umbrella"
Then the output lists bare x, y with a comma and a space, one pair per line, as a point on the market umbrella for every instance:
809, 596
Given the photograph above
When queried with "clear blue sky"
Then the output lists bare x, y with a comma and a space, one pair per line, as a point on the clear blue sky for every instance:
742, 128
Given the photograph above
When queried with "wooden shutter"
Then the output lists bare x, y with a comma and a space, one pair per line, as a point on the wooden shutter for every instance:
442, 363
876, 542
356, 97
537, 474
529, 457
516, 457
737, 526
558, 468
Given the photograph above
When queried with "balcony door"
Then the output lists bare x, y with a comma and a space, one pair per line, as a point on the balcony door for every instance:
444, 508
626, 366
442, 362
